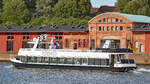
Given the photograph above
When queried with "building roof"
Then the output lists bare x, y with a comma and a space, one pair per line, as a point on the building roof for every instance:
132, 18
53, 28
141, 28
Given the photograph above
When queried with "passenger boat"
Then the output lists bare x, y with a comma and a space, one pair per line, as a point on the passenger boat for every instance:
99, 59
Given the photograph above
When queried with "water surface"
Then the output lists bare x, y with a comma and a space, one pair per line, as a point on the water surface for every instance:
11, 75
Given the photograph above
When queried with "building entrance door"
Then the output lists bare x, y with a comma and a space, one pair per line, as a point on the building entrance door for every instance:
75, 46
9, 45
114, 43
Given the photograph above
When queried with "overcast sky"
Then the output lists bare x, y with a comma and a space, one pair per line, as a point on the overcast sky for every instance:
98, 3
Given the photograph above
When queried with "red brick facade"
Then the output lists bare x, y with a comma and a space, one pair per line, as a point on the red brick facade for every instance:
107, 26
112, 26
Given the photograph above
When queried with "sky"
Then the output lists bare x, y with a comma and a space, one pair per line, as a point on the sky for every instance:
98, 3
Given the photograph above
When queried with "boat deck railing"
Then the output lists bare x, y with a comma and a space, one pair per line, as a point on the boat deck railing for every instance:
106, 50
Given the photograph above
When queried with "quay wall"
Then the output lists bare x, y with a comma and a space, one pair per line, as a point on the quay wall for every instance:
140, 59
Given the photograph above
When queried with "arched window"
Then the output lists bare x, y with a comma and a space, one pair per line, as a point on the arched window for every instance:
117, 20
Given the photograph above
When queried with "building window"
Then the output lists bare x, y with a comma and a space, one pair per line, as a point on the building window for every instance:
100, 28
67, 43
136, 45
107, 19
92, 28
79, 43
117, 20
103, 28
117, 28
112, 20
121, 20
9, 45
127, 43
84, 43
10, 36
112, 28
104, 20
60, 37
141, 48
121, 28
128, 28
56, 33
26, 36
25, 44
92, 44
60, 33
107, 28
56, 37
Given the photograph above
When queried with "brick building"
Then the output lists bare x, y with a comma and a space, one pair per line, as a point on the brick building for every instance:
117, 27
69, 37
120, 29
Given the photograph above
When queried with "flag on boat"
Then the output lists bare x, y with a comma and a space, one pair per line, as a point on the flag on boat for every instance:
56, 43
131, 47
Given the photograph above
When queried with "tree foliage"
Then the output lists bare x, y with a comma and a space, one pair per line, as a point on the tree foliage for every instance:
47, 12
75, 8
45, 7
14, 13
141, 7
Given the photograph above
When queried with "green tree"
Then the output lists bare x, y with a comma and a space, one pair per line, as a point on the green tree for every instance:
84, 7
63, 8
75, 8
45, 7
30, 3
140, 7
15, 13
42, 21
120, 4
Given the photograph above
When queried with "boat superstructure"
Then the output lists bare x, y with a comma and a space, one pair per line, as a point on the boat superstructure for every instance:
99, 59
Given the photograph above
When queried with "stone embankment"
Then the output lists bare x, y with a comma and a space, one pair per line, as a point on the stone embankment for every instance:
140, 59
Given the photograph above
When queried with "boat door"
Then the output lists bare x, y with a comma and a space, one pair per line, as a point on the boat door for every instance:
112, 60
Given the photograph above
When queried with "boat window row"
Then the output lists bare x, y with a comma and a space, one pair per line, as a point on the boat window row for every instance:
80, 61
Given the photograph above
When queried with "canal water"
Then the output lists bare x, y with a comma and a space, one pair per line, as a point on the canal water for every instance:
11, 75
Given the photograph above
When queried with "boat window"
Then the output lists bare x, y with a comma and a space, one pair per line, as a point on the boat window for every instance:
97, 62
39, 59
91, 61
45, 59
84, 61
77, 61
68, 61
35, 59
61, 60
104, 61
22, 59
30, 59
53, 60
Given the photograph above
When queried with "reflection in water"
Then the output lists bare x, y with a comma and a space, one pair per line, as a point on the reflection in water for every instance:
11, 75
